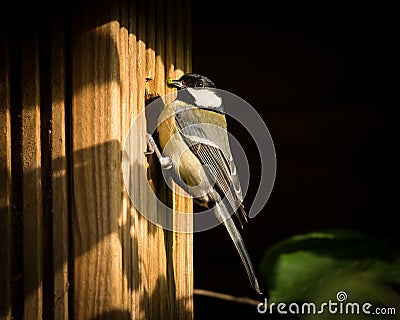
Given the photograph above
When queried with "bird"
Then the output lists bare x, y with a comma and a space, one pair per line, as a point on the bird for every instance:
192, 134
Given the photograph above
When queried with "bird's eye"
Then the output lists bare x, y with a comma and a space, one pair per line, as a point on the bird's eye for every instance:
199, 84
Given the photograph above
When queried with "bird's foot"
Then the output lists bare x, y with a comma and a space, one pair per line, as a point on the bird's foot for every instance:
165, 162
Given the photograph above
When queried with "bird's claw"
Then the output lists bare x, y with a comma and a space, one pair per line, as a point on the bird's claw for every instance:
150, 144
166, 162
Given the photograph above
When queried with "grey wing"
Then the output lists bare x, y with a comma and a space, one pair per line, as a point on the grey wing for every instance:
237, 188
201, 139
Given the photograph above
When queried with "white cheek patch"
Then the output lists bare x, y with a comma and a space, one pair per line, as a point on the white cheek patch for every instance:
205, 98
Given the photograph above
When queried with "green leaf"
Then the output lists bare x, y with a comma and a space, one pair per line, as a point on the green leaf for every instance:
314, 267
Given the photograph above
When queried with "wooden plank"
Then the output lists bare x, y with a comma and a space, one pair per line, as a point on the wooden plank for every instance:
159, 80
145, 288
131, 243
126, 111
59, 173
179, 38
187, 20
183, 242
120, 260
96, 165
150, 237
31, 175
150, 42
141, 308
5, 181
169, 43
183, 256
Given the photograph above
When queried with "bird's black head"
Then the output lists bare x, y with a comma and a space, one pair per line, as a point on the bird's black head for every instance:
191, 80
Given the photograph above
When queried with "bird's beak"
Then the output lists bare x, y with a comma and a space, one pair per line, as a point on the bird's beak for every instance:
174, 84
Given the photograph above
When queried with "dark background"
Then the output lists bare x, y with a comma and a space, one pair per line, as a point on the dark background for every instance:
323, 80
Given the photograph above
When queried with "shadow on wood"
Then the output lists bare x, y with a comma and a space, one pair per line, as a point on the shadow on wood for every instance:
73, 79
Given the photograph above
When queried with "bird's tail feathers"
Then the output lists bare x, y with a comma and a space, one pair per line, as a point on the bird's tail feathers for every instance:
223, 215
241, 216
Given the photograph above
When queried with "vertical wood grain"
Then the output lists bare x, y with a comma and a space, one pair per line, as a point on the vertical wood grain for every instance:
132, 251
30, 158
143, 281
126, 109
86, 252
170, 42
5, 181
187, 20
179, 39
150, 40
31, 175
159, 81
183, 263
96, 165
59, 170
183, 242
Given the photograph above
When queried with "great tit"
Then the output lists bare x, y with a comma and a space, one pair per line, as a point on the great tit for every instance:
194, 141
